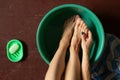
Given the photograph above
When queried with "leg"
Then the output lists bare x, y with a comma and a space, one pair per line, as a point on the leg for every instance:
57, 65
73, 67
86, 45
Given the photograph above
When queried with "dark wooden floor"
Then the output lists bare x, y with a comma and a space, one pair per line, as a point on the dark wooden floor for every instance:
19, 19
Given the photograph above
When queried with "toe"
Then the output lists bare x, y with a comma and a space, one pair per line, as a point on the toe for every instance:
77, 16
81, 23
86, 29
78, 22
78, 19
73, 19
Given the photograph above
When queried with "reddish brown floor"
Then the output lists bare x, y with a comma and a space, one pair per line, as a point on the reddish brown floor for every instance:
20, 18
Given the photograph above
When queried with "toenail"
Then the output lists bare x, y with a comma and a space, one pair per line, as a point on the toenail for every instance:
82, 33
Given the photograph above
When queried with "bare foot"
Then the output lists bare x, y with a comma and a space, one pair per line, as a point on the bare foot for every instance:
86, 36
86, 43
76, 39
73, 71
68, 31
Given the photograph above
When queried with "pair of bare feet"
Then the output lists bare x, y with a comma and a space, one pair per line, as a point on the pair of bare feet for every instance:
76, 31
75, 34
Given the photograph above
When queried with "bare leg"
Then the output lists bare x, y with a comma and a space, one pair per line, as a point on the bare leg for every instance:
73, 67
86, 45
57, 65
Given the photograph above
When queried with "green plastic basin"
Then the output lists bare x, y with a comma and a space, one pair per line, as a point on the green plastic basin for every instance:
51, 27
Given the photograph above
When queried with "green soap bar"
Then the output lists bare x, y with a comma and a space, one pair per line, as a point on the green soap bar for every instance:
14, 48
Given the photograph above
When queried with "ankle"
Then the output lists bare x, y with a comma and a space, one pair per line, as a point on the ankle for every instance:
73, 50
62, 44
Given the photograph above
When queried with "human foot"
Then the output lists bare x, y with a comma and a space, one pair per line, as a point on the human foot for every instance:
86, 43
68, 31
76, 39
86, 36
